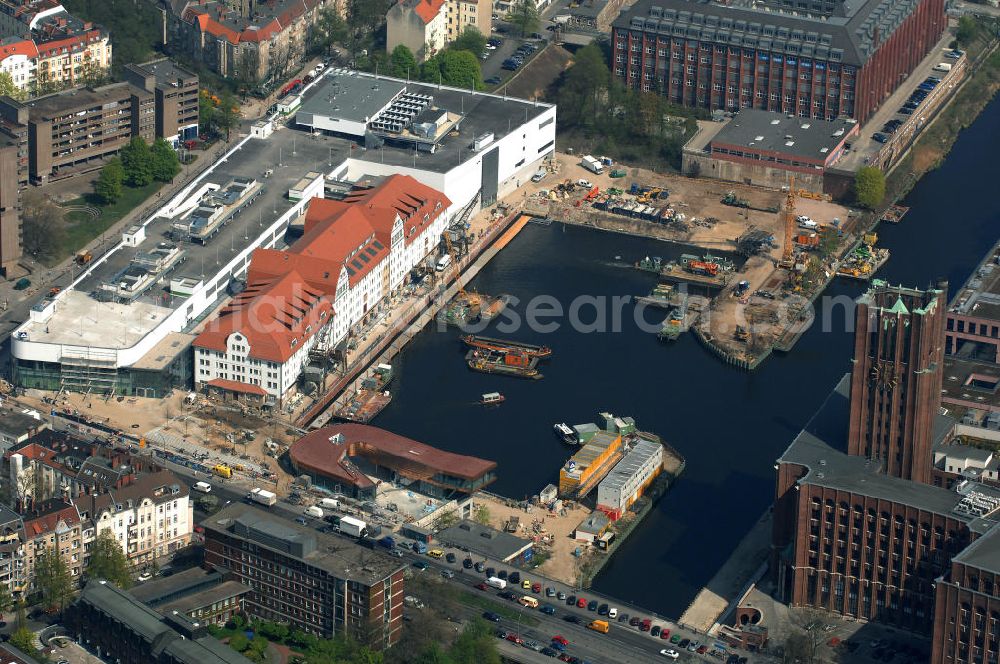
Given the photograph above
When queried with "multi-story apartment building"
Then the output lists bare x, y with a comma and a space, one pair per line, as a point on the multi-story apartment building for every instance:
353, 255
12, 571
829, 59
310, 581
54, 525
75, 131
19, 60
462, 14
175, 91
256, 42
70, 52
11, 172
420, 25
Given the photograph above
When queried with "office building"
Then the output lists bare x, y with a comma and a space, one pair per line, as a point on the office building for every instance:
318, 583
175, 91
896, 379
828, 59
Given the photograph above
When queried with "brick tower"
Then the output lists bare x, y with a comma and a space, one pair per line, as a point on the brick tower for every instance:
896, 379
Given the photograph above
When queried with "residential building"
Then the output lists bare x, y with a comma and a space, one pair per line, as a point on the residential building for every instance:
54, 525
896, 378
344, 459
463, 14
20, 17
122, 629
833, 59
10, 201
77, 130
70, 52
354, 254
17, 427
318, 583
420, 25
12, 570
254, 42
592, 15
175, 91
629, 478
19, 59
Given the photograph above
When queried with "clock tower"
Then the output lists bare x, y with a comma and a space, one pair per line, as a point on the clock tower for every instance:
896, 378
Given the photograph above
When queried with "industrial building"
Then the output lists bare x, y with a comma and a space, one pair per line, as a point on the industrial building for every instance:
345, 457
629, 478
206, 596
487, 542
600, 449
767, 149
158, 281
340, 586
825, 59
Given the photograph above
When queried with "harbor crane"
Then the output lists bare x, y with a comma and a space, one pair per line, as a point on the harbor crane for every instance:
787, 248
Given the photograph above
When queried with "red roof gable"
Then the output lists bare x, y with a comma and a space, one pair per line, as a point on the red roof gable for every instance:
319, 273
428, 9
237, 386
26, 48
46, 523
276, 316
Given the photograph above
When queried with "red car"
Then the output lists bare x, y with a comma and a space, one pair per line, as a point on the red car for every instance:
514, 638
581, 603
482, 586
536, 587
645, 625
665, 633
558, 638
702, 650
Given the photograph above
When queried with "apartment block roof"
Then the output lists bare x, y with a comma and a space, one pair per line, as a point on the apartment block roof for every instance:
269, 19
25, 47
808, 138
62, 103
46, 516
427, 10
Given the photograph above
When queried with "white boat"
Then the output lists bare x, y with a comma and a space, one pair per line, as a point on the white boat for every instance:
491, 398
565, 433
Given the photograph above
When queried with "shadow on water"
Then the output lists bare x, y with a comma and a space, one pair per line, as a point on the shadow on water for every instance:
730, 426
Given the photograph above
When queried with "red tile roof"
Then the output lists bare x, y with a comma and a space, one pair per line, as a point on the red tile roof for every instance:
46, 523
217, 19
428, 9
318, 453
275, 315
25, 47
237, 386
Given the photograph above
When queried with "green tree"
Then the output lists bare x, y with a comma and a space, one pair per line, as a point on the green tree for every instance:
165, 162
402, 62
206, 113
109, 184
433, 654
329, 29
24, 640
475, 645
471, 40
53, 580
136, 27
92, 74
108, 561
229, 114
482, 515
967, 30
239, 642
137, 162
461, 69
6, 599
869, 187
524, 17
8, 88
583, 86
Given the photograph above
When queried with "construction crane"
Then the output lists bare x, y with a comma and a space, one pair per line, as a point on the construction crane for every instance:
787, 249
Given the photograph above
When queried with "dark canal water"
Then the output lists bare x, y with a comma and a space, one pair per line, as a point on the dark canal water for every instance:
731, 426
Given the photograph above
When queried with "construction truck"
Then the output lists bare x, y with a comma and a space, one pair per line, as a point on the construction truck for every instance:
223, 471
591, 164
703, 268
83, 258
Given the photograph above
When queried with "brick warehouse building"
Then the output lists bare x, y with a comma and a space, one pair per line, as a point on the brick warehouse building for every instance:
832, 58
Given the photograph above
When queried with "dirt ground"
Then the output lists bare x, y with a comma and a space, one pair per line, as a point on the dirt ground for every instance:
554, 535
538, 75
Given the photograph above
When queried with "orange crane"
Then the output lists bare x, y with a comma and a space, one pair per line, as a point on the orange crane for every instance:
788, 249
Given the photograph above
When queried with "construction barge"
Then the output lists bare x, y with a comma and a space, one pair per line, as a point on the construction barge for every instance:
369, 399
711, 272
894, 214
468, 308
505, 363
506, 346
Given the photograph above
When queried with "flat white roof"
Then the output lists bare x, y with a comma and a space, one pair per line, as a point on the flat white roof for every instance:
80, 320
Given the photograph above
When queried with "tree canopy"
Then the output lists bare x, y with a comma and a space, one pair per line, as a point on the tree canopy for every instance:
471, 40
869, 187
524, 17
165, 162
137, 161
228, 114
42, 234
403, 63
8, 88
134, 25
458, 68
108, 561
52, 578
109, 184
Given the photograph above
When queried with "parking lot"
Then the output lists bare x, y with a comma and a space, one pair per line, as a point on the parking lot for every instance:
66, 651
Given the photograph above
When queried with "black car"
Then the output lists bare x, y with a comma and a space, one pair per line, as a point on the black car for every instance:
655, 631
515, 577
905, 111
489, 615
467, 563
493, 80
571, 600
576, 620
502, 574
881, 138
510, 64
684, 643
506, 594
450, 557
549, 652
622, 617
602, 610
490, 571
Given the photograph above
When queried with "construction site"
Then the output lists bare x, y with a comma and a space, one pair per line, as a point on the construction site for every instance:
762, 254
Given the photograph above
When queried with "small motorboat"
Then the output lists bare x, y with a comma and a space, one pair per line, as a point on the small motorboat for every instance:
491, 398
565, 433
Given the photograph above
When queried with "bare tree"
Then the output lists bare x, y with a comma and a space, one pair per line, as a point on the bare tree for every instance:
42, 225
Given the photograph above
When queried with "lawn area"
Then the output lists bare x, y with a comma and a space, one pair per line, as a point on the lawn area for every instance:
502, 610
81, 228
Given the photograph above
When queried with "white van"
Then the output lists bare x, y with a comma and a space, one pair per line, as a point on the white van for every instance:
443, 263
329, 503
496, 582
204, 487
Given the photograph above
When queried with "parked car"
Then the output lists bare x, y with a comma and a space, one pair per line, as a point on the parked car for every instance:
655, 631
602, 610
560, 639
450, 557
480, 567
592, 605
550, 592
880, 137
489, 615
420, 565
561, 595
548, 609
493, 80
481, 586
467, 563
634, 622
570, 618
502, 574
665, 633
581, 603
571, 600
549, 652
